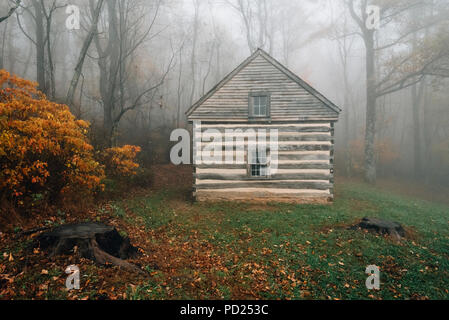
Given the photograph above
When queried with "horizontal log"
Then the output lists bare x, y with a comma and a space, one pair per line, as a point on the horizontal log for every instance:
241, 142
286, 147
316, 147
263, 197
222, 166
266, 184
217, 193
311, 166
231, 125
311, 138
292, 128
308, 166
284, 156
279, 176
304, 156
282, 136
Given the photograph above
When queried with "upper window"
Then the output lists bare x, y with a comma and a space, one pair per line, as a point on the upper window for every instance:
259, 105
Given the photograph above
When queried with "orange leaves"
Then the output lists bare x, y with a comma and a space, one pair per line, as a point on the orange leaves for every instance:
37, 137
119, 161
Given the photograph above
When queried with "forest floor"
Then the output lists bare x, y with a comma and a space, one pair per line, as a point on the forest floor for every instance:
245, 251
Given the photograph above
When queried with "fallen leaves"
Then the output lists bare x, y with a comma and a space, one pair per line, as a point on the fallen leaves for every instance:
186, 257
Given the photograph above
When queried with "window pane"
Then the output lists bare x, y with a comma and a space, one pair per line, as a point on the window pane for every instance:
259, 167
255, 170
256, 106
258, 170
260, 105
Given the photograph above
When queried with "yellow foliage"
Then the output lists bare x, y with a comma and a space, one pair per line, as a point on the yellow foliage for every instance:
43, 148
119, 161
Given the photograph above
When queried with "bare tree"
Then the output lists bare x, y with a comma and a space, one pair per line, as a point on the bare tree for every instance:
42, 17
255, 15
195, 32
16, 4
126, 31
394, 76
83, 52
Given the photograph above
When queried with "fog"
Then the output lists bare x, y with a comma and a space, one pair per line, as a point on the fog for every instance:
149, 61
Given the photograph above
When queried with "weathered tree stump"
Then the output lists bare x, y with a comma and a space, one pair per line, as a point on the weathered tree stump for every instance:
94, 241
383, 227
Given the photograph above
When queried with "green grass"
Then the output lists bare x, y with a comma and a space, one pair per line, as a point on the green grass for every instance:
307, 251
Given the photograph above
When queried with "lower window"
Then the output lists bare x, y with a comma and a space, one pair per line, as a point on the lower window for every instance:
258, 164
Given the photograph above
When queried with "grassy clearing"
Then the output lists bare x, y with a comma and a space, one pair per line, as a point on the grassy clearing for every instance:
240, 251
288, 251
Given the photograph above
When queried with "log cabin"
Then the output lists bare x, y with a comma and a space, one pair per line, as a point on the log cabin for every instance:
262, 96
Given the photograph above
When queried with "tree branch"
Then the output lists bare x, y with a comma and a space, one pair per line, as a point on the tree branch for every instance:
11, 11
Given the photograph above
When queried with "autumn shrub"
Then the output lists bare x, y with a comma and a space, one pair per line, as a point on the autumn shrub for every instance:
44, 150
120, 162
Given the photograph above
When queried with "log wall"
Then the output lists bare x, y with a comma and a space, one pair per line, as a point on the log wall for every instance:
304, 172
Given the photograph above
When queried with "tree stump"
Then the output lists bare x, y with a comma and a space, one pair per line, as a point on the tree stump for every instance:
94, 241
383, 227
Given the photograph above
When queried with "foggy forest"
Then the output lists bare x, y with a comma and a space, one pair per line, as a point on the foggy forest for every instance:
92, 90
133, 68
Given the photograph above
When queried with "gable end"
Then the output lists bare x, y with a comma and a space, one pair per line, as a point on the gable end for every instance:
292, 98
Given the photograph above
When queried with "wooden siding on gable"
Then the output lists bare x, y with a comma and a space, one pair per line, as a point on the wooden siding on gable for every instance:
289, 100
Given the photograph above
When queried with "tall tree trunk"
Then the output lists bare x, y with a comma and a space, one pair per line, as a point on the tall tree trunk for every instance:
427, 137
193, 56
109, 73
417, 93
179, 89
40, 46
371, 99
2, 52
83, 53
416, 133
346, 131
27, 63
51, 67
